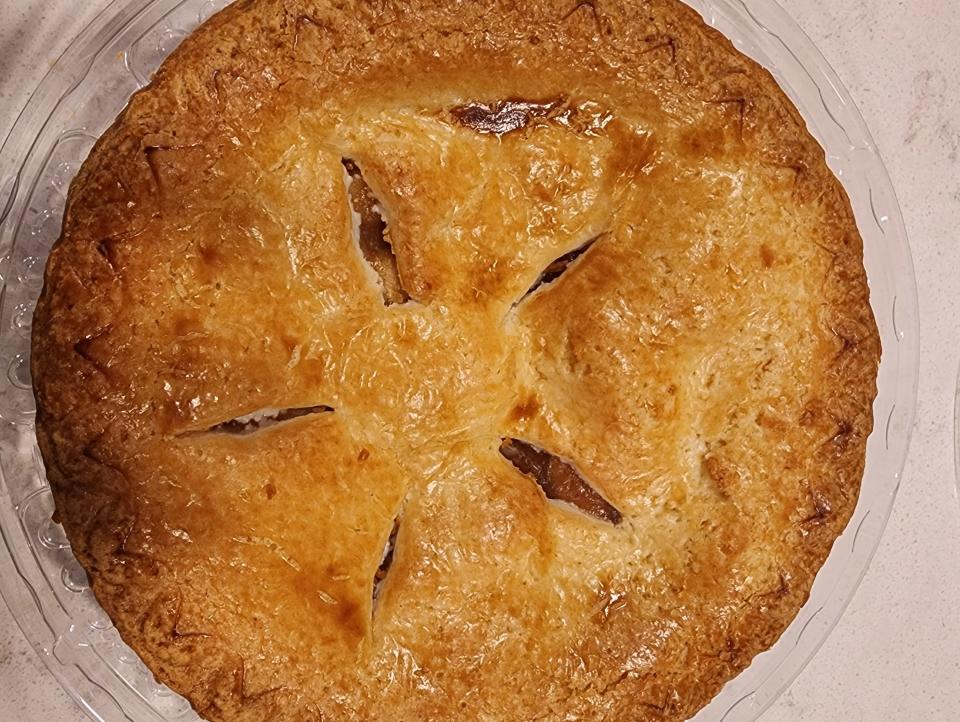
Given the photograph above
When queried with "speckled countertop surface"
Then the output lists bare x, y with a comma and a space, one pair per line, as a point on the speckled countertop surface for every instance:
896, 653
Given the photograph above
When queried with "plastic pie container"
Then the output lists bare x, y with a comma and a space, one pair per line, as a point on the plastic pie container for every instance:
44, 585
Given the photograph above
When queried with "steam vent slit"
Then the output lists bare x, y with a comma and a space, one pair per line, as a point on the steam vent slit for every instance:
386, 561
559, 479
372, 234
258, 420
557, 268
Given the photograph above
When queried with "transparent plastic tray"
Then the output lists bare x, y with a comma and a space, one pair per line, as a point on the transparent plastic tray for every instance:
44, 585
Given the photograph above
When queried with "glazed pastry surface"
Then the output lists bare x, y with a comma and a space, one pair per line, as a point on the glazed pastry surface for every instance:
435, 361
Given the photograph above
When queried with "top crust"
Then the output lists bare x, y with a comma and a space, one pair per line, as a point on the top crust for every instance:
247, 442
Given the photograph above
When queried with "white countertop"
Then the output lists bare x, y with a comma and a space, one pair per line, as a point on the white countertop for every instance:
896, 653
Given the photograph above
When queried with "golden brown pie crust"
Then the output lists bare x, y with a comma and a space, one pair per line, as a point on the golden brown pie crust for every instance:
707, 365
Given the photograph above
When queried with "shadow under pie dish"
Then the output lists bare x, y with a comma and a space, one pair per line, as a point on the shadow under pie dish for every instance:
397, 360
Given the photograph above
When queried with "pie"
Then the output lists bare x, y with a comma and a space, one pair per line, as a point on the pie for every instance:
431, 361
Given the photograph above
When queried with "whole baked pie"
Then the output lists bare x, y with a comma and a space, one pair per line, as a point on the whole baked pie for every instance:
427, 361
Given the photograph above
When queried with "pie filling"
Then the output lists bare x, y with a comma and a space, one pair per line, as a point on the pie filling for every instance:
503, 116
557, 268
387, 561
373, 235
559, 479
265, 418
513, 114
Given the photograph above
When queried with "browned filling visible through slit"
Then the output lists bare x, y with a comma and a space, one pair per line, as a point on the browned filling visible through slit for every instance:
384, 568
251, 423
504, 116
374, 245
559, 479
556, 268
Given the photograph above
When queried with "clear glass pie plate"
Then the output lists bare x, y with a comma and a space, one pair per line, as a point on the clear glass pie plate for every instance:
43, 584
